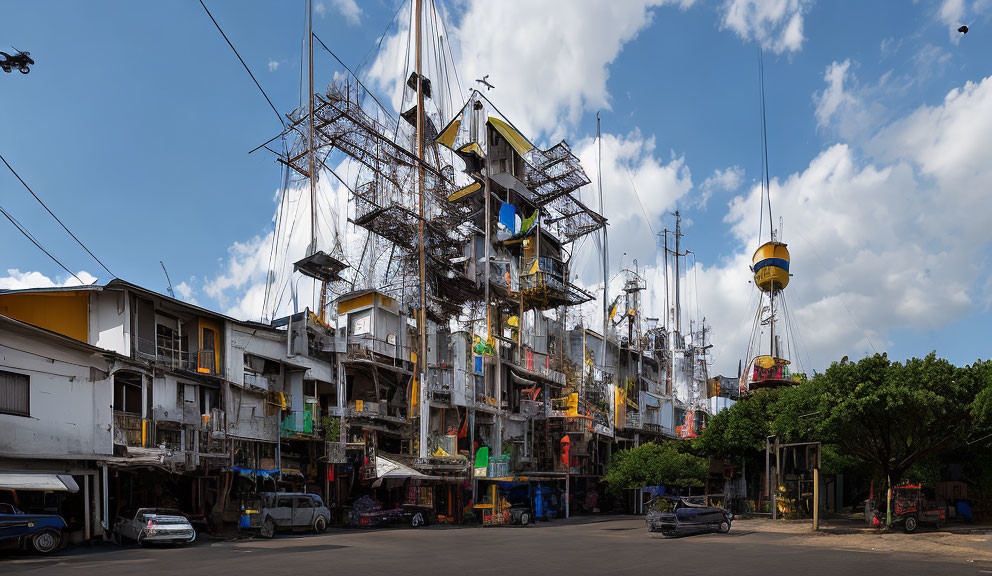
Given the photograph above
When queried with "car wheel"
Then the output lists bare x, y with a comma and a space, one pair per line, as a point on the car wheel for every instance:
268, 529
724, 527
911, 525
192, 538
417, 521
320, 524
46, 542
524, 519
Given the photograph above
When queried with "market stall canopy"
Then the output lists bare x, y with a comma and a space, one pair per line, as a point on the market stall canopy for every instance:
386, 469
39, 482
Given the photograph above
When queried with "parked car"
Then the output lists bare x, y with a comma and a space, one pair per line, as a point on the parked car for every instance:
678, 517
154, 525
39, 532
291, 511
413, 516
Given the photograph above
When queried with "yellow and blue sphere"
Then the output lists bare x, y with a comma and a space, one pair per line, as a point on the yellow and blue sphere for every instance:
771, 266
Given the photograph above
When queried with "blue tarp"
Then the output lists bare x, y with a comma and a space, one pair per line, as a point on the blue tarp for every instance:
255, 472
508, 217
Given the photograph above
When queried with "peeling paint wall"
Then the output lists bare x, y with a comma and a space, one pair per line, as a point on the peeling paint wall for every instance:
71, 398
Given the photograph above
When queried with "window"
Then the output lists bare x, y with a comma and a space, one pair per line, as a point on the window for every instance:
15, 393
361, 323
304, 502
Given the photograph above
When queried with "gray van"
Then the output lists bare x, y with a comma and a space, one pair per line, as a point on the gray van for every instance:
296, 511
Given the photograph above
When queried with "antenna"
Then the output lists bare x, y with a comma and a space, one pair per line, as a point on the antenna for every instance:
169, 280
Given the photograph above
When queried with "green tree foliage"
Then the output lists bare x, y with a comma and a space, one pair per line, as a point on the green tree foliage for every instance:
874, 417
667, 464
891, 414
739, 430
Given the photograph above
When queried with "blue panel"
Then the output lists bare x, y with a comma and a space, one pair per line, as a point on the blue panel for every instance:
508, 217
777, 262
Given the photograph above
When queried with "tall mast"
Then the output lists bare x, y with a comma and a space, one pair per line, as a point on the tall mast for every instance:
313, 175
668, 331
422, 319
606, 246
678, 305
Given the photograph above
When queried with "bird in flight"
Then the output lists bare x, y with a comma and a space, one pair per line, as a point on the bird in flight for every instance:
485, 82
963, 29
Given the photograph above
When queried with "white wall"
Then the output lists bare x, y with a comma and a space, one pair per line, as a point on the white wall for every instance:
110, 326
71, 415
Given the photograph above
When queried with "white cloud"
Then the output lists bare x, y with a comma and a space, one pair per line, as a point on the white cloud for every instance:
273, 65
726, 180
17, 280
776, 24
240, 287
634, 217
349, 9
852, 110
548, 67
833, 97
893, 234
185, 291
951, 14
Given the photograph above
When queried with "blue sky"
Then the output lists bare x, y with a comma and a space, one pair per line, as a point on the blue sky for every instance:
136, 122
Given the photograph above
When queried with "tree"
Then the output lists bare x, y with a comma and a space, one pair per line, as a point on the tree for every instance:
892, 415
666, 464
738, 433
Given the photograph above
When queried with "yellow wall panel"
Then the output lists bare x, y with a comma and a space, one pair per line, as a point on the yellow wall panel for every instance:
64, 312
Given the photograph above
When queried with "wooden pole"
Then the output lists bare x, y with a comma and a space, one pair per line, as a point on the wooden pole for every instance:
422, 318
816, 498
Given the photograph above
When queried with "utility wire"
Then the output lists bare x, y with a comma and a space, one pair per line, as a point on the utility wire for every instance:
36, 243
242, 60
64, 227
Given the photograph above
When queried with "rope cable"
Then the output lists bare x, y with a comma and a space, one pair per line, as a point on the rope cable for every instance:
35, 241
49, 210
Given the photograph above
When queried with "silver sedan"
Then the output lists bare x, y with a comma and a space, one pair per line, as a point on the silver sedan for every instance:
154, 525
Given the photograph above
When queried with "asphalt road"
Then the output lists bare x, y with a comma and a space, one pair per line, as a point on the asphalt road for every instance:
617, 545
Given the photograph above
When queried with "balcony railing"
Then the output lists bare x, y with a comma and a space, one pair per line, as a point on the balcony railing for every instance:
257, 381
164, 354
370, 348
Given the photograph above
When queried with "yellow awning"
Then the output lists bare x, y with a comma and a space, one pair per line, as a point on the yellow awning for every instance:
516, 139
464, 191
447, 137
473, 148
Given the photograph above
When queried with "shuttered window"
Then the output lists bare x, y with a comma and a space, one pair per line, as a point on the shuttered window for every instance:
15, 393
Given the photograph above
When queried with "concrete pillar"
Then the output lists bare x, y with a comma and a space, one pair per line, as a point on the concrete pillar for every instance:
87, 505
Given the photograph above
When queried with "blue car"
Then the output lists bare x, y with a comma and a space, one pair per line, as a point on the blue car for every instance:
41, 532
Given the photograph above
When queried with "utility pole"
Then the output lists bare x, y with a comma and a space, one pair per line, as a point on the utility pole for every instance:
668, 330
606, 245
312, 166
422, 319
678, 305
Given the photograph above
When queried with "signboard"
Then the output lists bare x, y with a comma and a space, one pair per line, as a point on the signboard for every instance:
481, 462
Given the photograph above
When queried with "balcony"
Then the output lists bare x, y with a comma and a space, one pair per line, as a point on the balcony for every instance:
539, 364
164, 353
258, 382
374, 349
544, 282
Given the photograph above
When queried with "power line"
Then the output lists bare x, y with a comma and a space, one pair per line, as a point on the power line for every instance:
36, 243
64, 227
242, 60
